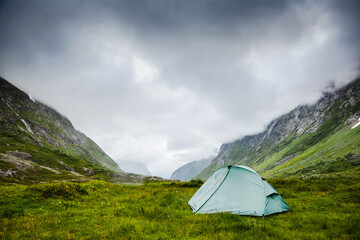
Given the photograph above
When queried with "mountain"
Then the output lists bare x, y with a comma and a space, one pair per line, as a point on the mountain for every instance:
134, 167
311, 140
38, 144
190, 170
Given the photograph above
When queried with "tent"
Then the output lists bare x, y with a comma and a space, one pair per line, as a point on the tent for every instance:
239, 190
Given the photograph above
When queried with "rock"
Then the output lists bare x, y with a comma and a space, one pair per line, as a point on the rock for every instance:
21, 155
116, 175
88, 171
67, 167
353, 101
8, 173
152, 179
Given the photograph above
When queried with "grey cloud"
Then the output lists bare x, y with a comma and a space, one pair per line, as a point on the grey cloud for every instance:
166, 82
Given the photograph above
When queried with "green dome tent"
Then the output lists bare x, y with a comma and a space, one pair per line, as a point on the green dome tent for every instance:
239, 190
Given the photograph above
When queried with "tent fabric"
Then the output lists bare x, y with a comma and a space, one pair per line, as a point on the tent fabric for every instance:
268, 188
209, 188
239, 190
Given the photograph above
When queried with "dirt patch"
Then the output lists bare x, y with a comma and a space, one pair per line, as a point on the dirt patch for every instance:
285, 159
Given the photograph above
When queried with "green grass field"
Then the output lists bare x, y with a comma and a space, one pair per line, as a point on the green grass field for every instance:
327, 208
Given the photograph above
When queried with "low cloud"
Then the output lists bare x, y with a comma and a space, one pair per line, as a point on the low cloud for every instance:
165, 83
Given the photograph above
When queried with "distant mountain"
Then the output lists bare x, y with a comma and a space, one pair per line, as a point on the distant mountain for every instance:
38, 144
311, 140
190, 170
134, 167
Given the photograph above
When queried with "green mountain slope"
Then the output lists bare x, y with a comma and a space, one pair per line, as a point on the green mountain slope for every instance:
190, 170
37, 143
309, 140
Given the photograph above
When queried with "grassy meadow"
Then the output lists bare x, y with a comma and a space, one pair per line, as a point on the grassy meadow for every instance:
327, 208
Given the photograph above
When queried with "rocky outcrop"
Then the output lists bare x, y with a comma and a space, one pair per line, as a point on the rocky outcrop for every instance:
88, 171
7, 173
66, 167
116, 175
21, 155
147, 179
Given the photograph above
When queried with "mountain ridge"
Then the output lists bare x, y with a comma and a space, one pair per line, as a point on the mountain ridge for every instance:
35, 135
134, 167
288, 136
190, 170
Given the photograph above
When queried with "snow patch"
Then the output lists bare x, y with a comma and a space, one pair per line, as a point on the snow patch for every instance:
27, 126
6, 103
31, 98
356, 124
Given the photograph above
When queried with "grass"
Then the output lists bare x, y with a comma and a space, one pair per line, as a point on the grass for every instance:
321, 209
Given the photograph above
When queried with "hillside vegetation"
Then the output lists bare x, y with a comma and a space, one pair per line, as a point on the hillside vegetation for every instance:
310, 140
38, 144
321, 209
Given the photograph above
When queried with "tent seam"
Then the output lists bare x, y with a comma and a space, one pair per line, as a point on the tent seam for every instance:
215, 190
212, 187
262, 181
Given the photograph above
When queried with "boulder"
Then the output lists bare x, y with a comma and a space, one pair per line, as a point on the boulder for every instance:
21, 155
88, 171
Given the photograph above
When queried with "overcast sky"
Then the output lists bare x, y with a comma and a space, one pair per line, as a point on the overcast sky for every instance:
167, 82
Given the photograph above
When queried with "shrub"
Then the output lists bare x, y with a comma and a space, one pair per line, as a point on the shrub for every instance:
12, 212
64, 190
193, 183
